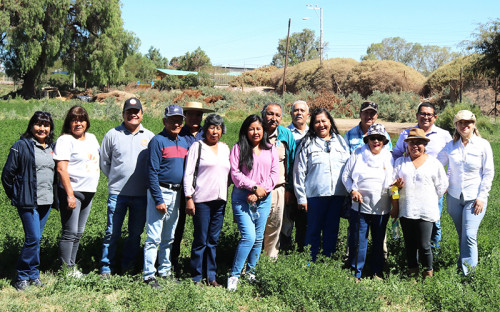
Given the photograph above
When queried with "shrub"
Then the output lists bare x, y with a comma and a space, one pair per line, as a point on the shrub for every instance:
445, 118
168, 83
257, 77
189, 81
60, 81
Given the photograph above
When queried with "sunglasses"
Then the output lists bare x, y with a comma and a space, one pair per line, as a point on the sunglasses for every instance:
376, 138
369, 104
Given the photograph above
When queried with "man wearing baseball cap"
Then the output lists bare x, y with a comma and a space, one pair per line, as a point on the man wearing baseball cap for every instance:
122, 149
191, 132
368, 114
167, 151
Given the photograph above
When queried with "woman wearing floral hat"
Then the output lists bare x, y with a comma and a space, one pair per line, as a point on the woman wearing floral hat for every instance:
470, 161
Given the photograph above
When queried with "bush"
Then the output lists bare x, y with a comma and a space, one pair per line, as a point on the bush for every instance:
189, 81
60, 81
445, 118
168, 83
257, 77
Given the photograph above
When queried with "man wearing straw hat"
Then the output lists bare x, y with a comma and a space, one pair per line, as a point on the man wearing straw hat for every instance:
191, 132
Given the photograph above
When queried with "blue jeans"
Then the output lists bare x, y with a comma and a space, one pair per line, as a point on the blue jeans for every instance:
252, 231
467, 225
436, 229
376, 224
117, 209
323, 216
207, 222
160, 228
33, 223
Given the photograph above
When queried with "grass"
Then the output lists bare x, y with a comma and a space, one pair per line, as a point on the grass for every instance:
291, 283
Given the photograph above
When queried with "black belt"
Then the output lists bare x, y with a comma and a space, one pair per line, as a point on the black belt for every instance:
174, 187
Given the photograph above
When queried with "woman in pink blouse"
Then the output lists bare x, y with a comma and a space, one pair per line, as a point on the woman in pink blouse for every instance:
205, 186
255, 172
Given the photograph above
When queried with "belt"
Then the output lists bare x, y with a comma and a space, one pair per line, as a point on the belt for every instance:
174, 187
279, 185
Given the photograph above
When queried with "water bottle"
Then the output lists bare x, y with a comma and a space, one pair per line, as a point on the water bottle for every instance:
395, 192
395, 229
254, 212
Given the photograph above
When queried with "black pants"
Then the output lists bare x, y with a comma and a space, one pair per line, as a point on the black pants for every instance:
179, 232
417, 235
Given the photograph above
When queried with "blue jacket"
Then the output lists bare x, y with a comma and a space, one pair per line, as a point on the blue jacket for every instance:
286, 136
19, 175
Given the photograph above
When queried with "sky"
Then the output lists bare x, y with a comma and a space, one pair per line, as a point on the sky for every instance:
246, 33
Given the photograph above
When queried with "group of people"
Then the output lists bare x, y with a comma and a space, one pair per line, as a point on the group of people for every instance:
284, 177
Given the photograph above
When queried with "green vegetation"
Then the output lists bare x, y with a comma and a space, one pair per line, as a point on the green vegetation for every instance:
292, 283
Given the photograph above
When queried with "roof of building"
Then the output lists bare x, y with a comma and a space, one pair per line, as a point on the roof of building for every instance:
175, 72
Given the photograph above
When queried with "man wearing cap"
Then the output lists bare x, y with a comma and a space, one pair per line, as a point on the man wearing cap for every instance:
292, 215
167, 151
368, 115
122, 149
283, 140
426, 116
191, 132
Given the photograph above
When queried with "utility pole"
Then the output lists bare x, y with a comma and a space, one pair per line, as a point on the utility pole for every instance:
286, 56
311, 7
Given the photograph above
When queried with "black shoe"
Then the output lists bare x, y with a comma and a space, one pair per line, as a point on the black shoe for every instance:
36, 282
22, 285
153, 283
171, 278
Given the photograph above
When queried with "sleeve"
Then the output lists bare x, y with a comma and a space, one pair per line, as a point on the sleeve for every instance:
275, 169
299, 175
10, 169
240, 180
62, 150
396, 172
292, 146
443, 155
389, 145
191, 159
154, 160
488, 173
347, 138
347, 173
106, 154
400, 147
441, 180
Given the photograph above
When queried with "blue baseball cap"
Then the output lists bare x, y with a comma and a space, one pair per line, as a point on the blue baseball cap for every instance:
173, 110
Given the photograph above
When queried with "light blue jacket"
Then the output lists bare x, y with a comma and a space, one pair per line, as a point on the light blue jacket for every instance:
318, 169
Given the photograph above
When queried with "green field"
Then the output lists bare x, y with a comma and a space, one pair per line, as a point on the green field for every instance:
289, 284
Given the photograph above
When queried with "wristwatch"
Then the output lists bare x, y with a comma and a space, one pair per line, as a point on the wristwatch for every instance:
254, 188
189, 197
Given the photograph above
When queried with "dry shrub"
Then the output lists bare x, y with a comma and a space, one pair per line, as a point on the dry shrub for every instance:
384, 76
120, 96
191, 94
311, 76
257, 77
332, 102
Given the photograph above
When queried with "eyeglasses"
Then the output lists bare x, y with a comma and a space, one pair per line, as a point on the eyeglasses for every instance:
43, 114
327, 146
426, 115
376, 138
416, 142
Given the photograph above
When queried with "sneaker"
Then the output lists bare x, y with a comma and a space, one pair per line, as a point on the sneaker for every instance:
250, 277
36, 282
232, 282
75, 273
214, 284
22, 285
153, 283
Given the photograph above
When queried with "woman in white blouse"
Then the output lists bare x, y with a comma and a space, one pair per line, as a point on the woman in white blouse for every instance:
423, 181
470, 161
367, 176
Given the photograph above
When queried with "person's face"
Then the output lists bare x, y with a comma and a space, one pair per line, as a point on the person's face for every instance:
173, 124
272, 117
299, 114
368, 117
255, 133
322, 125
426, 117
213, 134
376, 143
193, 119
132, 118
78, 127
416, 147
40, 131
465, 128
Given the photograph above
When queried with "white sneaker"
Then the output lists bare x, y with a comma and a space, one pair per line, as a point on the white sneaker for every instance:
250, 277
75, 273
232, 282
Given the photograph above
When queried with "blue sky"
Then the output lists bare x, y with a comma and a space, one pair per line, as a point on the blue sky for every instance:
246, 33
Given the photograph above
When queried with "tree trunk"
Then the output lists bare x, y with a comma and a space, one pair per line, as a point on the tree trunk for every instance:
29, 87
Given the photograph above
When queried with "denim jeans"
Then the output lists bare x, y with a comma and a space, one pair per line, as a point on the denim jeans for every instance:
436, 229
252, 231
117, 209
29, 259
417, 237
207, 222
323, 216
160, 228
73, 224
376, 224
467, 225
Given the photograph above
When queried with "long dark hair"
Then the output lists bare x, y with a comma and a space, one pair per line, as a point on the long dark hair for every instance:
44, 118
246, 149
75, 113
310, 133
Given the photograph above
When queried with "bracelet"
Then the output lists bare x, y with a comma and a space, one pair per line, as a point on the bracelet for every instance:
71, 197
189, 197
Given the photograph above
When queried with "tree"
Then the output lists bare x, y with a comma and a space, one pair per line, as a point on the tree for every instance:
487, 43
191, 61
87, 35
303, 47
137, 67
155, 56
424, 58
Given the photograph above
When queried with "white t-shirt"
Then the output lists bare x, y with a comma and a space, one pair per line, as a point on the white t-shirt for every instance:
83, 158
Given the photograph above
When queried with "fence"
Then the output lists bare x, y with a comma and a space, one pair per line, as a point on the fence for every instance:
480, 91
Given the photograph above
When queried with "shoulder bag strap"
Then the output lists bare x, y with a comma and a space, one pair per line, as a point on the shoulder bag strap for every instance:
195, 174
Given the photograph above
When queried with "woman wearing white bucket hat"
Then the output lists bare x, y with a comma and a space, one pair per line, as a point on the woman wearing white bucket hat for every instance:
470, 161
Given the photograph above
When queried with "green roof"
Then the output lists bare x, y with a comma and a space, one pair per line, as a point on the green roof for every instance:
175, 72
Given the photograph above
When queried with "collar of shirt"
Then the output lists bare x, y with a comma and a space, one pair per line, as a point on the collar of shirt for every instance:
292, 128
168, 136
274, 134
433, 129
122, 128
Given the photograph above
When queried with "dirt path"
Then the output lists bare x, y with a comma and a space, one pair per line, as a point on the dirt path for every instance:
393, 128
